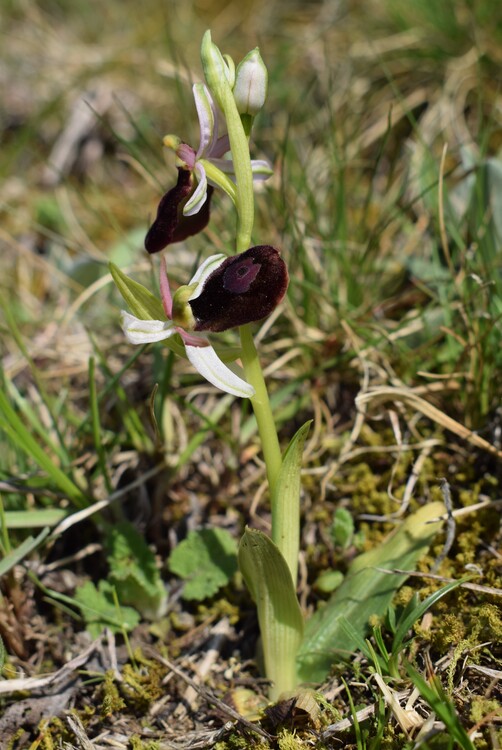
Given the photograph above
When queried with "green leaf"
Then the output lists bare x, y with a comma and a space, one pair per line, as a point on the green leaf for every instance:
141, 302
328, 581
100, 609
286, 502
22, 437
32, 519
206, 560
134, 572
20, 553
3, 654
442, 707
342, 529
269, 580
366, 591
420, 609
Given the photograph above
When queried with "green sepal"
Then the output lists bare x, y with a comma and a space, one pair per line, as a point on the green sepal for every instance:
141, 302
220, 179
268, 578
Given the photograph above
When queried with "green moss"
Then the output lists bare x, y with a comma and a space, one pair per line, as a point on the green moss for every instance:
290, 741
142, 689
403, 596
452, 630
11, 744
136, 743
482, 707
490, 622
112, 702
240, 742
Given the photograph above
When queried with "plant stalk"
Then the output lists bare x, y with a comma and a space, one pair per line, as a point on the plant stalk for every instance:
261, 407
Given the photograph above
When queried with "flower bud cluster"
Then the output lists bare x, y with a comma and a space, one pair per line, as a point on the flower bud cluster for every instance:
248, 81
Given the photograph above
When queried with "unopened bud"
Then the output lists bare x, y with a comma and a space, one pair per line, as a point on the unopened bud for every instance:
216, 69
250, 90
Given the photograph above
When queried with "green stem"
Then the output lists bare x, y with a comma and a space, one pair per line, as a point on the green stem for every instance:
261, 407
214, 70
238, 133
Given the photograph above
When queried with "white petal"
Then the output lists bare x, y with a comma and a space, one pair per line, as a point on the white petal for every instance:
139, 331
261, 169
225, 165
210, 366
206, 114
205, 270
199, 196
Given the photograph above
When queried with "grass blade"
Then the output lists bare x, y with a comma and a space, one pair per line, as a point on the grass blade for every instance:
442, 707
18, 555
20, 436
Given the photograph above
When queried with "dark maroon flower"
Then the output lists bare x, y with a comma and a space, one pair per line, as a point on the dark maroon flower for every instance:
170, 224
242, 289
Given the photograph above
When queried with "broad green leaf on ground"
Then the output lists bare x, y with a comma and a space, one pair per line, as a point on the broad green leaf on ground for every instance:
269, 580
206, 560
99, 609
367, 590
134, 572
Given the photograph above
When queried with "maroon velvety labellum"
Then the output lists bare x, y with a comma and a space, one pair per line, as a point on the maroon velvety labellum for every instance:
170, 224
244, 288
240, 275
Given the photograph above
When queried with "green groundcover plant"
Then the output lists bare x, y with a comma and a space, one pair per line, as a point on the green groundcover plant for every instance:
233, 292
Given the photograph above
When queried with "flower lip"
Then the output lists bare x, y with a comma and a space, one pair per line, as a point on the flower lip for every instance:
170, 224
184, 210
242, 289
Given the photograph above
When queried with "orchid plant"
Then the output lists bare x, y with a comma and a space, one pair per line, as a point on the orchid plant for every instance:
229, 292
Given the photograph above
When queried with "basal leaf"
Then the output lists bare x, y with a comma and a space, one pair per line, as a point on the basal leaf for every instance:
367, 590
286, 502
268, 578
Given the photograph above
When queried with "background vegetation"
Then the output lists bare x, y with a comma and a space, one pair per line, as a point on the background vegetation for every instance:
384, 126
